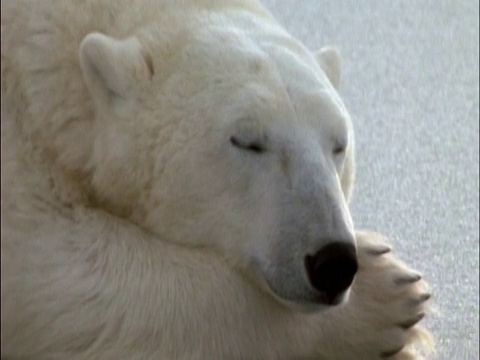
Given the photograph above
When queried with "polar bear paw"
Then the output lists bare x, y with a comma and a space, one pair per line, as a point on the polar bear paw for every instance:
400, 296
382, 318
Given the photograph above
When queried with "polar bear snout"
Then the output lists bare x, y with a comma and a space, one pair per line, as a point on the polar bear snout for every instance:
332, 269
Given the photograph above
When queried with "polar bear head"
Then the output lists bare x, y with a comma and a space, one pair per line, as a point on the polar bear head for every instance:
229, 134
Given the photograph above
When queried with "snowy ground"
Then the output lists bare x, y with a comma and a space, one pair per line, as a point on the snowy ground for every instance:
410, 81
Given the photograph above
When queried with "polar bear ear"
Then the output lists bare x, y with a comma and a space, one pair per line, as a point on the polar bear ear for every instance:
329, 60
113, 68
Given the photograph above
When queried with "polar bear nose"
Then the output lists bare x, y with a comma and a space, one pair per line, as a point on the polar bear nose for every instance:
332, 269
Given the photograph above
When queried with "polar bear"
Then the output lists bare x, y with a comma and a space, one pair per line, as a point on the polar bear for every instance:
175, 185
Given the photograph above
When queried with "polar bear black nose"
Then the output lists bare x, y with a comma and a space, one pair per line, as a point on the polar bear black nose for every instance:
332, 269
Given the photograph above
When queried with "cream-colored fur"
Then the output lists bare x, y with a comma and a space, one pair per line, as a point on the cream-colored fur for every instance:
133, 229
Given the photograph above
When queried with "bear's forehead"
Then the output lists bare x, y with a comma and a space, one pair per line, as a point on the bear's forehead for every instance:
265, 52
283, 71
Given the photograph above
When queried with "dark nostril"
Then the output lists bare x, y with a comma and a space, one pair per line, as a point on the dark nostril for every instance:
332, 269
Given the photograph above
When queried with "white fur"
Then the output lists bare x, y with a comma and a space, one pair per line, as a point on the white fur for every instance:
133, 228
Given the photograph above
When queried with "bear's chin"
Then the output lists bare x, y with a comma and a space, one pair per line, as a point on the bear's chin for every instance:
310, 301
312, 304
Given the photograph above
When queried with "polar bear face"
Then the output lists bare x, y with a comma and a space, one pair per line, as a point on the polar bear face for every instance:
230, 139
